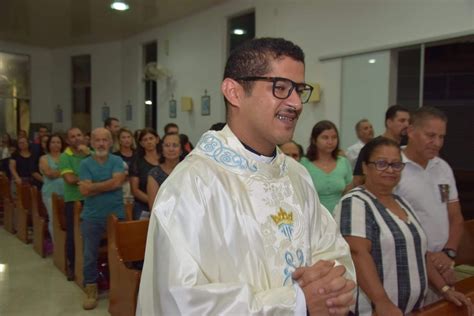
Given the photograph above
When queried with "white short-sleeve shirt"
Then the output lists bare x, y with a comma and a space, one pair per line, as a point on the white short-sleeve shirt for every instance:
429, 190
353, 152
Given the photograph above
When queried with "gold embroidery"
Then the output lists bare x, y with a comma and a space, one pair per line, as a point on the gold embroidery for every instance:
283, 217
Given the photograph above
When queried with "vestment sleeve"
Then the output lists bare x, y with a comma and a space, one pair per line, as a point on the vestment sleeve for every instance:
327, 242
181, 259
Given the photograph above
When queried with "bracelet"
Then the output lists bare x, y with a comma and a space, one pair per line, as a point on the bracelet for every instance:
445, 288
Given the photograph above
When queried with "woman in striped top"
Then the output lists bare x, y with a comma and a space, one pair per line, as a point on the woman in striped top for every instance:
387, 242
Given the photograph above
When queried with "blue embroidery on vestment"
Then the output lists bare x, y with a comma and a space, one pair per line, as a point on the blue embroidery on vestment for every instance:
214, 148
291, 265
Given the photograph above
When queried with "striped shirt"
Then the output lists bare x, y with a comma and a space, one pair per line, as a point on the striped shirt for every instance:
398, 248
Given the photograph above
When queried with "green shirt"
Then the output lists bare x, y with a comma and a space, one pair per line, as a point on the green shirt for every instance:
69, 163
330, 186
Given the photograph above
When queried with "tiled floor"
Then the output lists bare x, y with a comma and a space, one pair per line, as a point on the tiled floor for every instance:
31, 285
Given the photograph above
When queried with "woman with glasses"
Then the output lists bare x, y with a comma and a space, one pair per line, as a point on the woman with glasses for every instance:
387, 242
171, 150
331, 173
146, 158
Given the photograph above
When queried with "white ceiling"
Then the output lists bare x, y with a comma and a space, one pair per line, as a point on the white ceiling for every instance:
56, 23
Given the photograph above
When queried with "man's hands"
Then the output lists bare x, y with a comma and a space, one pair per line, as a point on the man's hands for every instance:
459, 299
85, 187
84, 150
326, 290
444, 265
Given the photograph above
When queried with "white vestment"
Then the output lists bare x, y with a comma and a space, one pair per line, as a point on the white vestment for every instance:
227, 231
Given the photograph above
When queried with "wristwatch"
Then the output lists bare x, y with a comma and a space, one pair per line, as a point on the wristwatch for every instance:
451, 253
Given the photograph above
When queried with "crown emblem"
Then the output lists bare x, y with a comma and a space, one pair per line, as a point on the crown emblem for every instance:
283, 217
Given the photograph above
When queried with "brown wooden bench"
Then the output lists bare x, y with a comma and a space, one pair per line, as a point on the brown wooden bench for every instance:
126, 244
59, 229
466, 246
445, 308
8, 204
23, 211
40, 221
128, 211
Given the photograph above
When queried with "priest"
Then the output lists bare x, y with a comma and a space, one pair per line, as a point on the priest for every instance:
237, 228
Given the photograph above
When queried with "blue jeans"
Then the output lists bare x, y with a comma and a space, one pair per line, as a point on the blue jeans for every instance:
91, 235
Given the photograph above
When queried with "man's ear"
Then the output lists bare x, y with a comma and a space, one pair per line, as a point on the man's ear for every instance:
232, 91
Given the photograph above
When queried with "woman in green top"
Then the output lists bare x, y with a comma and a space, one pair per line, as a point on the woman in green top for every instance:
331, 173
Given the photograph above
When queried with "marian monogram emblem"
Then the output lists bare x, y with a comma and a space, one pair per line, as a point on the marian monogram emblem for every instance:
284, 221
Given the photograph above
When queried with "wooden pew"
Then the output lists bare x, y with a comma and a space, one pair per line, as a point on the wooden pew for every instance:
59, 228
40, 221
445, 308
23, 211
465, 254
128, 210
8, 204
126, 243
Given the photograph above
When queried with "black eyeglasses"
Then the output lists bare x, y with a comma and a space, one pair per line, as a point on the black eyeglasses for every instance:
283, 87
382, 165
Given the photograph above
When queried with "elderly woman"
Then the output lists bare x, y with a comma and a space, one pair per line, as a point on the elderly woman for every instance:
387, 242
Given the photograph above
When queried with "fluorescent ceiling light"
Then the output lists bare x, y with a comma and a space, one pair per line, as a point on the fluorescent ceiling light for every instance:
148, 102
239, 32
372, 61
119, 5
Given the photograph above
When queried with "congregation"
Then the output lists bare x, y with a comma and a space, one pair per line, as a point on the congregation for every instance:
248, 222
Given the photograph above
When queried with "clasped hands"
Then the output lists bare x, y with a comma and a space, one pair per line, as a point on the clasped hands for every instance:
326, 290
85, 187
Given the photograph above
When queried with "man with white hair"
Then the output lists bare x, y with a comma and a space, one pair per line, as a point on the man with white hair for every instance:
365, 132
101, 178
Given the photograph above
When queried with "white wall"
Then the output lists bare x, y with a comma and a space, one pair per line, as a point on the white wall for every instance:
106, 80
327, 27
197, 53
365, 93
194, 50
40, 76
